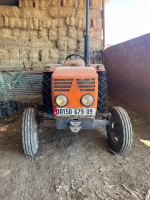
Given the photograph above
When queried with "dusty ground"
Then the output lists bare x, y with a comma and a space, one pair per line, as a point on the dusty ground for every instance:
73, 166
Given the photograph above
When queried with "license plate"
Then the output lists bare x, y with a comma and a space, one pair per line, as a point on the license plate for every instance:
75, 111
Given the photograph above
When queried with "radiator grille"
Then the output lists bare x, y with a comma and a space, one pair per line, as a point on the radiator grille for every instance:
62, 85
86, 85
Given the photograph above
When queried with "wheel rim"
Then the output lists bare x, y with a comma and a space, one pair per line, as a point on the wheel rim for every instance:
115, 136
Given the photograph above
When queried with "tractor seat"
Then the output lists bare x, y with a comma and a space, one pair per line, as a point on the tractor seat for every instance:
75, 62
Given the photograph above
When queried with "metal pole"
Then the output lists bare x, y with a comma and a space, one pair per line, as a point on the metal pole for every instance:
87, 37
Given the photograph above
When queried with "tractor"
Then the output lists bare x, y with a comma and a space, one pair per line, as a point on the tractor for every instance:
75, 97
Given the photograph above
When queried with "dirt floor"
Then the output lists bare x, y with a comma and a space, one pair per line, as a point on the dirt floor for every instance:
73, 166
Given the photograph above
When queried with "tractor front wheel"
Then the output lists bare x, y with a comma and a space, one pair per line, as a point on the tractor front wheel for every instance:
30, 134
119, 132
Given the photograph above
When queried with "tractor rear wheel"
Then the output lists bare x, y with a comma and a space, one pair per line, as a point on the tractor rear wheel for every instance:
46, 92
102, 92
119, 132
30, 133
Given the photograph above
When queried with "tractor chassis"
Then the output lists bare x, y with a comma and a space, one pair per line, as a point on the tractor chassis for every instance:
74, 124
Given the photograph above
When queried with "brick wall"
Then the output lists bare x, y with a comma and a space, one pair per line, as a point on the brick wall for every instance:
128, 71
43, 31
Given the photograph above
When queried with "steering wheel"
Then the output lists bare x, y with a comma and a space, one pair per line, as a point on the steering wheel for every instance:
70, 56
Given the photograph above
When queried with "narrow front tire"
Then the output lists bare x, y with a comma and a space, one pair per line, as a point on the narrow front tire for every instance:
119, 132
30, 133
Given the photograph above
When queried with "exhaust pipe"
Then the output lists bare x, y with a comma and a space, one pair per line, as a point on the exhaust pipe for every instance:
87, 37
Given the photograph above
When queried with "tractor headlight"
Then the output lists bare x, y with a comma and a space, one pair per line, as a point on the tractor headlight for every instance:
61, 100
87, 100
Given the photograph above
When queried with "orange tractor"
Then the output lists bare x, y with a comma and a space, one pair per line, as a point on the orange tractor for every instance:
74, 95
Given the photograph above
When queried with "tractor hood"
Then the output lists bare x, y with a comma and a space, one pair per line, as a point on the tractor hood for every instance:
74, 72
74, 82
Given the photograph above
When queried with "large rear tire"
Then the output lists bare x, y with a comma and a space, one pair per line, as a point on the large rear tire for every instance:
102, 92
47, 93
119, 132
30, 133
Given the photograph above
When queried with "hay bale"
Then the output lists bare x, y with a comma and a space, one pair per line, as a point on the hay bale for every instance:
2, 43
17, 23
42, 4
25, 12
80, 23
95, 13
37, 3
67, 20
83, 24
54, 12
45, 57
6, 21
53, 34
8, 63
61, 22
73, 21
81, 13
1, 22
56, 3
76, 3
62, 55
9, 11
4, 54
54, 55
67, 3
98, 25
14, 54
81, 4
92, 3
30, 24
99, 4
62, 31
72, 44
62, 44
25, 35
53, 23
30, 4
36, 13
32, 13
34, 55
46, 24
47, 4
12, 41
23, 23
50, 23
24, 55
80, 45
21, 3
80, 34
43, 34
40, 25
72, 32
65, 12
35, 24
12, 22
26, 3
16, 33
33, 35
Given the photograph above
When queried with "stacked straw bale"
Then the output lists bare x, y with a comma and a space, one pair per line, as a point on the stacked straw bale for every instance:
46, 31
